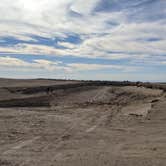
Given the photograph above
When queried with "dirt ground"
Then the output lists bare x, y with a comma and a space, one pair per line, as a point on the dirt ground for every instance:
82, 125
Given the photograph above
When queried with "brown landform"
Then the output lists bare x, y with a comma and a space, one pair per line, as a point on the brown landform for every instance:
82, 123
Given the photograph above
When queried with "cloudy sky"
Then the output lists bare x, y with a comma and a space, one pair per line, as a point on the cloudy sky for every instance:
83, 39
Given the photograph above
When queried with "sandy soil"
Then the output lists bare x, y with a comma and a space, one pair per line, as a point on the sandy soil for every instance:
82, 126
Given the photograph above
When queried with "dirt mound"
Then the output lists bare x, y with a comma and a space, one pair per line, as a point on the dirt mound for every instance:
104, 95
76, 93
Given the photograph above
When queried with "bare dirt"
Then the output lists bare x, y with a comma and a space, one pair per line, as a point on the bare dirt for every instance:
74, 123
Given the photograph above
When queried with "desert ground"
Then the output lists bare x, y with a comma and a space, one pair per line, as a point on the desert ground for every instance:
82, 123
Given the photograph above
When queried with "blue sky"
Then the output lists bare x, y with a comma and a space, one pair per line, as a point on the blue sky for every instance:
78, 39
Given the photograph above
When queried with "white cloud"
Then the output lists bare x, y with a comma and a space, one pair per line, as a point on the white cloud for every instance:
45, 17
126, 41
34, 49
163, 62
46, 62
67, 45
83, 7
80, 66
93, 67
124, 34
36, 64
58, 65
8, 61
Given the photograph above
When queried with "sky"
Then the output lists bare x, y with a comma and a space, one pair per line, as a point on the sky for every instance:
83, 39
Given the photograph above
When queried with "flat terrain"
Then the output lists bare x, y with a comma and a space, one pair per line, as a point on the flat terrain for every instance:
74, 123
